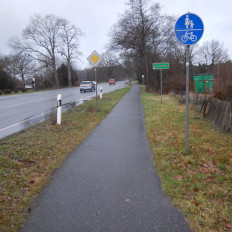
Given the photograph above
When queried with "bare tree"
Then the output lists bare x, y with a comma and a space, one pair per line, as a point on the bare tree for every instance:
1, 62
40, 40
217, 52
69, 37
109, 62
146, 35
213, 52
133, 33
204, 53
19, 64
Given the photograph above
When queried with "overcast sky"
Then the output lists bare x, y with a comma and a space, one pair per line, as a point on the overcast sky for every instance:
95, 18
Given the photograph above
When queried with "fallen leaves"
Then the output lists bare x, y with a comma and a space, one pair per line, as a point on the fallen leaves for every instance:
179, 177
196, 203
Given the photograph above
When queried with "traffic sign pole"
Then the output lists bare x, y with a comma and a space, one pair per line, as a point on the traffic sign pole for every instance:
161, 66
96, 87
189, 29
95, 59
187, 101
161, 85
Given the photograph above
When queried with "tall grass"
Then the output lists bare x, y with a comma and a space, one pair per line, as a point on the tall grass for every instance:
199, 183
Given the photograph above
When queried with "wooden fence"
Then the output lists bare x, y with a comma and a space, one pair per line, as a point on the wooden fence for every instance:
217, 111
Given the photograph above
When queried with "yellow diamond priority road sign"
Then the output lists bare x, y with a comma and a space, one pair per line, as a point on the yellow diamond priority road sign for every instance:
94, 58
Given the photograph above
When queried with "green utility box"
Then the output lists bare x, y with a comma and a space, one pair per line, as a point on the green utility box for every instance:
203, 83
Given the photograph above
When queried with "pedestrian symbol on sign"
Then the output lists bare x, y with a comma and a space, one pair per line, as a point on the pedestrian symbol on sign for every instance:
189, 29
192, 24
187, 21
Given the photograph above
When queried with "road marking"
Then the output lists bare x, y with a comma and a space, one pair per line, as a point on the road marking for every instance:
16, 124
41, 99
5, 107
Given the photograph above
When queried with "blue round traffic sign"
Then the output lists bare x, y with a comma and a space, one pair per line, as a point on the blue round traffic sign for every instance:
189, 29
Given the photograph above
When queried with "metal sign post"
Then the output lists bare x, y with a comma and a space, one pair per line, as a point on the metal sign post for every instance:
161, 85
189, 29
187, 101
161, 66
96, 87
95, 59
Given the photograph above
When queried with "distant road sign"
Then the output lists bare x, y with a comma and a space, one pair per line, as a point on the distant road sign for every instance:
94, 58
189, 29
160, 65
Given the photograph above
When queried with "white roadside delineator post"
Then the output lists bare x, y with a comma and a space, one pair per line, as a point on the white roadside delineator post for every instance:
100, 92
59, 108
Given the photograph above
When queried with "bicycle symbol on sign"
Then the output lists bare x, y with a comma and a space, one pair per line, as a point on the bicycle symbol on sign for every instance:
189, 29
189, 35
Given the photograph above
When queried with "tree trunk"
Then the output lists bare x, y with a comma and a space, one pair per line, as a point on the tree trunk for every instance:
55, 76
69, 73
22, 75
57, 83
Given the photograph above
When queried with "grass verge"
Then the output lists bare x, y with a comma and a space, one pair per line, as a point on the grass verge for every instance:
28, 159
199, 183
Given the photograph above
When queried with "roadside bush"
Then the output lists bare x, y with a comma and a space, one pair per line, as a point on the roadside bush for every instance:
223, 91
0, 92
223, 82
7, 91
178, 84
16, 90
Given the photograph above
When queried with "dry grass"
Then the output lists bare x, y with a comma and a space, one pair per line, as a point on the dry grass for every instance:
199, 183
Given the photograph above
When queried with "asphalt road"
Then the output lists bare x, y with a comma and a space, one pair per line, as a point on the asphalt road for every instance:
18, 112
108, 183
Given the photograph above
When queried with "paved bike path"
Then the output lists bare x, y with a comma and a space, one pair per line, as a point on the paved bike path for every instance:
108, 183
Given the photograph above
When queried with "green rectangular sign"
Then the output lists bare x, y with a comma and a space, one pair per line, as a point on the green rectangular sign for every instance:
160, 65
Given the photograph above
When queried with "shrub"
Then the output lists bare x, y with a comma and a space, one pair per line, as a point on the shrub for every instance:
16, 90
7, 91
0, 92
223, 91
223, 82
